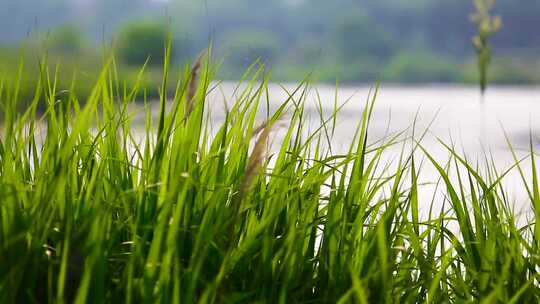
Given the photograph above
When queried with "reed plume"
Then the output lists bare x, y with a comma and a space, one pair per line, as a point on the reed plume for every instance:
259, 128
256, 158
193, 85
280, 121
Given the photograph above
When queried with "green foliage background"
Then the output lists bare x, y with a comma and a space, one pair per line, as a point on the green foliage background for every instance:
353, 41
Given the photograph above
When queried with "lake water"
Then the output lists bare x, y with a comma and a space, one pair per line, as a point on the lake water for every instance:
453, 113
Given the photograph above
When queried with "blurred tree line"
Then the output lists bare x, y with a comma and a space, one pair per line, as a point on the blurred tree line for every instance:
355, 40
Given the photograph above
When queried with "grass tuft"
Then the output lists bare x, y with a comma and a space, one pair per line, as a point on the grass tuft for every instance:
95, 209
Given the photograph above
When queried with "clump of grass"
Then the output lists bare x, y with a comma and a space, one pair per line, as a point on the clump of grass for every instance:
93, 211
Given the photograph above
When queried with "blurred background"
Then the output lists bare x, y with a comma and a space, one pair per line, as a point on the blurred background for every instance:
353, 41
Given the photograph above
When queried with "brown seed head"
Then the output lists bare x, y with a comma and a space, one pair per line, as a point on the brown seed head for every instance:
256, 159
193, 84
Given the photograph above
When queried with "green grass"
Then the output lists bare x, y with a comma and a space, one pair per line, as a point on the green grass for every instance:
92, 211
74, 72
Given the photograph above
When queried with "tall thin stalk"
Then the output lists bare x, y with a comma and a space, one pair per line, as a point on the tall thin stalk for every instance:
486, 26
